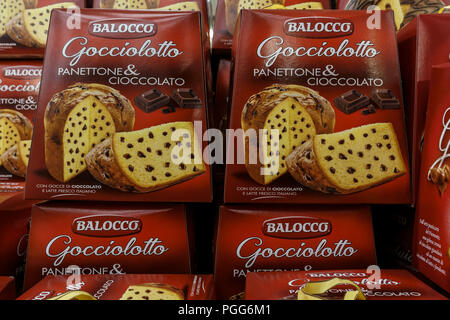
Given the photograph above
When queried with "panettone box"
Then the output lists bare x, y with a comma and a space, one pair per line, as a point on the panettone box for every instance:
122, 110
375, 284
431, 243
15, 219
20, 82
317, 113
227, 14
7, 288
94, 238
394, 227
269, 238
24, 25
422, 43
123, 287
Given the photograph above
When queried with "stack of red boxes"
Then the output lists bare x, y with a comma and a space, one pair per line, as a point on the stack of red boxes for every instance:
322, 155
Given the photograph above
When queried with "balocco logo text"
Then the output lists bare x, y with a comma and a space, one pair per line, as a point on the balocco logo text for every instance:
22, 72
318, 27
308, 227
123, 28
296, 227
106, 226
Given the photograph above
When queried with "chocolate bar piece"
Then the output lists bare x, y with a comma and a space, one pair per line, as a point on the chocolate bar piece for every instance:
370, 109
186, 98
351, 101
152, 100
170, 109
385, 99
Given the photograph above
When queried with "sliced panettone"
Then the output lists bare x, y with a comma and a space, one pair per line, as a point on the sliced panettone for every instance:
181, 6
15, 159
288, 115
14, 127
130, 4
148, 159
77, 119
30, 28
153, 291
233, 7
306, 6
8, 10
348, 161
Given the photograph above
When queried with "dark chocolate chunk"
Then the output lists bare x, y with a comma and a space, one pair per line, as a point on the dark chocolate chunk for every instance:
351, 101
169, 109
151, 100
186, 98
369, 110
385, 99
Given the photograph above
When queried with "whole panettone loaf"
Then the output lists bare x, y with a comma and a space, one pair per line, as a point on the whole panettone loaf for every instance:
289, 116
348, 161
78, 118
153, 291
15, 159
148, 159
14, 127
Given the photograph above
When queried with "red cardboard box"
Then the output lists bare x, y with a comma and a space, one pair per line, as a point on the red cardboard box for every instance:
422, 43
20, 81
7, 288
257, 239
392, 285
107, 239
310, 124
14, 229
112, 287
145, 108
19, 36
431, 244
223, 29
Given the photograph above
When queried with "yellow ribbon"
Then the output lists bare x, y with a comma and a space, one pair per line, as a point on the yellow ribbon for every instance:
73, 295
443, 9
312, 289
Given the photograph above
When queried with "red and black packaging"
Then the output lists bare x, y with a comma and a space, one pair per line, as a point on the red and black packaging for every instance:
384, 284
114, 287
20, 82
431, 243
263, 239
68, 237
122, 110
316, 112
422, 43
25, 23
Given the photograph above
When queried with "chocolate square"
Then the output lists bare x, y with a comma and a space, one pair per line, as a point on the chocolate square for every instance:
369, 110
151, 100
351, 101
186, 98
385, 99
